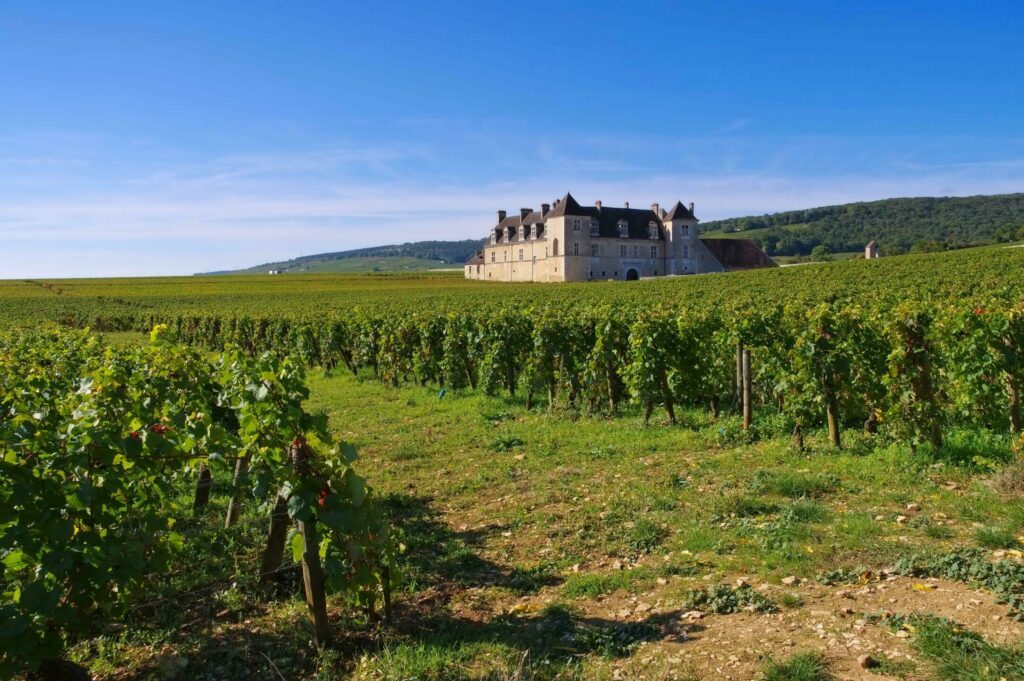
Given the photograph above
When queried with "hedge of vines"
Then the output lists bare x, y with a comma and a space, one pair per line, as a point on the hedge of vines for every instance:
909, 370
93, 443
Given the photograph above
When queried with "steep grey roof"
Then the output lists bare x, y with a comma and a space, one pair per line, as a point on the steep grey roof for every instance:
679, 212
565, 206
637, 219
477, 259
738, 254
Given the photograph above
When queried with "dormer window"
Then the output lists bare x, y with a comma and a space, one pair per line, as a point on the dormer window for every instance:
652, 229
595, 227
623, 229
511, 234
540, 231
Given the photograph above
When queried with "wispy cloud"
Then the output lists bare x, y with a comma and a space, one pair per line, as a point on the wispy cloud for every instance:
734, 126
234, 210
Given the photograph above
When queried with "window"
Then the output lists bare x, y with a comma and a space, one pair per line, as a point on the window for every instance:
520, 254
554, 248
622, 251
652, 229
623, 229
654, 252
577, 224
686, 251
575, 247
506, 256
685, 230
595, 250
492, 256
595, 227
636, 250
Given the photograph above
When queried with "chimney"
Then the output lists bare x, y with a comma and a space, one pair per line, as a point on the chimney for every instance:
501, 215
656, 209
544, 208
523, 212
691, 207
597, 204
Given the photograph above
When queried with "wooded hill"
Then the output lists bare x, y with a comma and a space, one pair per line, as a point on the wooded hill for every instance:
899, 225
395, 257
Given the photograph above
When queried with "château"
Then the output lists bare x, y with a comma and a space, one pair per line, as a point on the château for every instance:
565, 241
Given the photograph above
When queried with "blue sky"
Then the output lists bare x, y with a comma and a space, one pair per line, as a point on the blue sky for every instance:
163, 138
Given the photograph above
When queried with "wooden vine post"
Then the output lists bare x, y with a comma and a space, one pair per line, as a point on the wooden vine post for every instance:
235, 504
203, 487
312, 570
832, 413
747, 388
737, 380
273, 554
1013, 393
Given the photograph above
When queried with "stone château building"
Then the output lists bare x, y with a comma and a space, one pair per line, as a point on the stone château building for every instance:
565, 241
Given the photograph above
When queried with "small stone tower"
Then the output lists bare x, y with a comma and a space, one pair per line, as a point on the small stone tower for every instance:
871, 250
682, 243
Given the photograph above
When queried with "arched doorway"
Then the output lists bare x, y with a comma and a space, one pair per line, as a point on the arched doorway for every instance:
632, 275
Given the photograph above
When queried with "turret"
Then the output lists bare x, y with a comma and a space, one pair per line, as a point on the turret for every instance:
682, 247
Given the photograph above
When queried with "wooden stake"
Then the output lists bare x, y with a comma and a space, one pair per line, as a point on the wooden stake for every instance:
235, 504
737, 380
747, 386
312, 571
385, 575
1013, 393
273, 554
203, 487
832, 414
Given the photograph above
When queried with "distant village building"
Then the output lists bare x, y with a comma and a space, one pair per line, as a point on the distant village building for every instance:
276, 271
871, 250
565, 241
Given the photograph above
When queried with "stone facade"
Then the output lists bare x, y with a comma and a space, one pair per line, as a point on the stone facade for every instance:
564, 241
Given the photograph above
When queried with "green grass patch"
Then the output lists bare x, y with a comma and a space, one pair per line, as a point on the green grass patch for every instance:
805, 666
794, 485
594, 584
958, 654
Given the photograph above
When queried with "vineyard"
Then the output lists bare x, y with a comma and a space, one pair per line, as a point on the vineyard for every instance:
96, 440
651, 432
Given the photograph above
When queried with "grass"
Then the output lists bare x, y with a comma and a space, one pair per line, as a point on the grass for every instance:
958, 654
506, 550
593, 585
996, 538
806, 666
